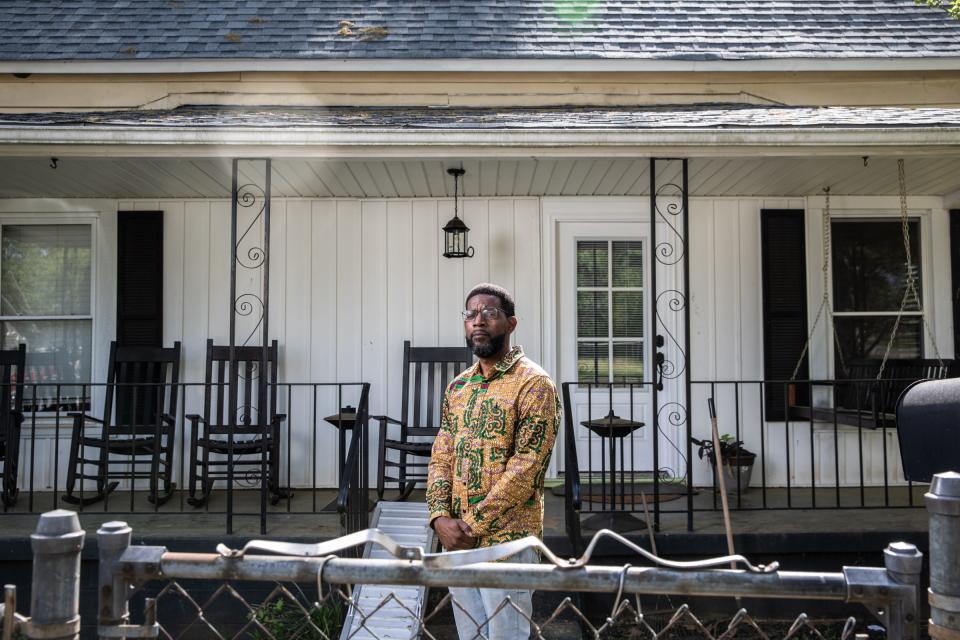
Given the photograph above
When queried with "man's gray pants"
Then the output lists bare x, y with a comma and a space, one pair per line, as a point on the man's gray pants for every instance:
484, 613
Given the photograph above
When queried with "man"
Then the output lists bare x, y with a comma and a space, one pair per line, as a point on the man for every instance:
499, 420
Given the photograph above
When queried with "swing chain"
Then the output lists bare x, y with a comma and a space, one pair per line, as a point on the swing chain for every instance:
910, 293
825, 304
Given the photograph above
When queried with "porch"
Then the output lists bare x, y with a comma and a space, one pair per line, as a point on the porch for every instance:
353, 238
757, 532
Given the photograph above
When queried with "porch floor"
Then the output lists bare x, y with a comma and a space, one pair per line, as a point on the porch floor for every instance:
757, 531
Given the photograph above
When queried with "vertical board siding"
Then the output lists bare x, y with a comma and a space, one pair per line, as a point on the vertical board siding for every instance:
352, 279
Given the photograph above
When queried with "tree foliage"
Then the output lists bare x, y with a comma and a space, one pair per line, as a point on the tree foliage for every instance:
950, 6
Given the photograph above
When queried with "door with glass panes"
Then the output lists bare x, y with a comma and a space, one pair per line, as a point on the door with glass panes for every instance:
603, 289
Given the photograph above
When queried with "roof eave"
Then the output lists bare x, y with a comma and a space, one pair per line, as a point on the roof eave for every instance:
369, 141
545, 65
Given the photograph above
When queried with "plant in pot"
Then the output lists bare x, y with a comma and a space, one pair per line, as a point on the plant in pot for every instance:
737, 461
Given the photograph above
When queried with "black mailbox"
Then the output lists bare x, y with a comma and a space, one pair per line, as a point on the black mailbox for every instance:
928, 428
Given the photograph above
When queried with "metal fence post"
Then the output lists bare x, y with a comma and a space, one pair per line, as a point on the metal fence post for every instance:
113, 538
55, 593
904, 564
943, 507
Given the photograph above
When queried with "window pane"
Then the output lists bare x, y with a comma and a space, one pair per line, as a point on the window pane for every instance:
58, 351
627, 264
592, 362
45, 270
628, 362
592, 264
866, 338
627, 314
592, 320
869, 264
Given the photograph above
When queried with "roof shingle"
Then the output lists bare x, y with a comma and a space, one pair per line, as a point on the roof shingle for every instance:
481, 29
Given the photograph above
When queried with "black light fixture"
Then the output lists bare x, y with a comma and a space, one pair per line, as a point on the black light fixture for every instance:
455, 231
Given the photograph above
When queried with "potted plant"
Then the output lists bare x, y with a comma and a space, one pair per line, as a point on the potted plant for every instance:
737, 461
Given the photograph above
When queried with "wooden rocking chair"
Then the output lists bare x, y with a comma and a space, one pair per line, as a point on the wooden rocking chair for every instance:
12, 363
136, 428
214, 454
415, 432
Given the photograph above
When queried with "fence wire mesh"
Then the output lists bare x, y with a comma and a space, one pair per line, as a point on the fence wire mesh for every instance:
289, 611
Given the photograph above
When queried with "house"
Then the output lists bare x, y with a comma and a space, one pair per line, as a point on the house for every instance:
112, 111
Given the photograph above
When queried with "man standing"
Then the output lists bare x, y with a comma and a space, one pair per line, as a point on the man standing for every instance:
499, 420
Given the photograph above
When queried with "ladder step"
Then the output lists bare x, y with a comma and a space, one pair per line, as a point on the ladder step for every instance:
406, 523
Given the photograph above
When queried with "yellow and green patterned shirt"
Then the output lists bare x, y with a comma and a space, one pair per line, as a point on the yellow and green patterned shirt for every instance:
491, 455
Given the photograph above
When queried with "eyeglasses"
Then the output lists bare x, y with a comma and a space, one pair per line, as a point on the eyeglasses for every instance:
489, 313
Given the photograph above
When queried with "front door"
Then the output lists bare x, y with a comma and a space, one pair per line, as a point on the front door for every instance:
604, 324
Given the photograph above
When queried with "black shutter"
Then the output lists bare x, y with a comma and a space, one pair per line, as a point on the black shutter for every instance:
140, 278
955, 273
784, 305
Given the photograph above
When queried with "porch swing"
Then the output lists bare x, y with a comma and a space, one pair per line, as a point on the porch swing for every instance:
867, 394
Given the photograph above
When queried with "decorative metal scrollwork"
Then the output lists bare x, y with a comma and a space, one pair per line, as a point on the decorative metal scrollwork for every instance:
668, 205
247, 415
251, 196
249, 305
675, 301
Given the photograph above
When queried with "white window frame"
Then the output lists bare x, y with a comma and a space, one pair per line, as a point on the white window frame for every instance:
610, 289
60, 219
934, 264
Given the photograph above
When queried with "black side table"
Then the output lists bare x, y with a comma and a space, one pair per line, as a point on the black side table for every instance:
613, 429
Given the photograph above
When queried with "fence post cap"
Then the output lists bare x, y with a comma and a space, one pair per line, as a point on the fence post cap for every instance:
944, 494
57, 523
114, 526
903, 557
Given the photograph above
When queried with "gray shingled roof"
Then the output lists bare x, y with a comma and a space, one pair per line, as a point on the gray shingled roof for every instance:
477, 29
718, 116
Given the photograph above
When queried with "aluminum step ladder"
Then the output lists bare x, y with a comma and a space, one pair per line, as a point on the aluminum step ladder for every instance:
406, 523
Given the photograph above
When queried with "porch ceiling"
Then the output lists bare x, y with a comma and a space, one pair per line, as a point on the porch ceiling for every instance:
100, 177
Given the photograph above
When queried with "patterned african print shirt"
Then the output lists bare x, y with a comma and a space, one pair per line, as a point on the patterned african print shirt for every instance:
491, 454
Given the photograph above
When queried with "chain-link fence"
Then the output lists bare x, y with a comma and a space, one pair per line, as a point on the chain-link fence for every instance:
318, 591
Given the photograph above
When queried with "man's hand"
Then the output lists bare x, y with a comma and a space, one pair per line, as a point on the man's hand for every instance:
454, 534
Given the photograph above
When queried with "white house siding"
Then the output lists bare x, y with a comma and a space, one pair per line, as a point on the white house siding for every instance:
352, 279
727, 331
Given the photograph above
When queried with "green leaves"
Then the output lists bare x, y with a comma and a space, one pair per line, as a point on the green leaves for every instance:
950, 6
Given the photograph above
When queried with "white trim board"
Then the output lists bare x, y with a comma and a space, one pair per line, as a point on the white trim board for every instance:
306, 142
479, 65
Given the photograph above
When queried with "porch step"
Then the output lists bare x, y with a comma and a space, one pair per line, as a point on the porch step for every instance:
406, 523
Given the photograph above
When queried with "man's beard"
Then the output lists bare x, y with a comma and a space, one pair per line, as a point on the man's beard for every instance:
492, 346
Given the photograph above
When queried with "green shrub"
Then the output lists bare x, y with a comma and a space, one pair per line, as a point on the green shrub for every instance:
284, 620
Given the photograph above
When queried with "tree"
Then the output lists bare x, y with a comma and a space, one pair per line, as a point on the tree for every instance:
950, 6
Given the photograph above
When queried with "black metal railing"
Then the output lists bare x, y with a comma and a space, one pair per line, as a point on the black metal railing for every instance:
124, 467
829, 444
353, 497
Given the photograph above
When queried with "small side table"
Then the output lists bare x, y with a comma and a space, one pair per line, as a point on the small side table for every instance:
344, 421
613, 428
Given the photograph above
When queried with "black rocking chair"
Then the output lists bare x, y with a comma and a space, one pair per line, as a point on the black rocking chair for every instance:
136, 430
214, 454
414, 436
12, 363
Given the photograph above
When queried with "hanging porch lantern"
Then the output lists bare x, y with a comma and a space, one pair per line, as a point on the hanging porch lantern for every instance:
455, 231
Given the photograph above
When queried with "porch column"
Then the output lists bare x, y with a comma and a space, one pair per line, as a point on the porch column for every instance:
249, 305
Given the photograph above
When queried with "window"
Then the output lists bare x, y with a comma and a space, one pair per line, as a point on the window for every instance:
45, 302
610, 316
869, 277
